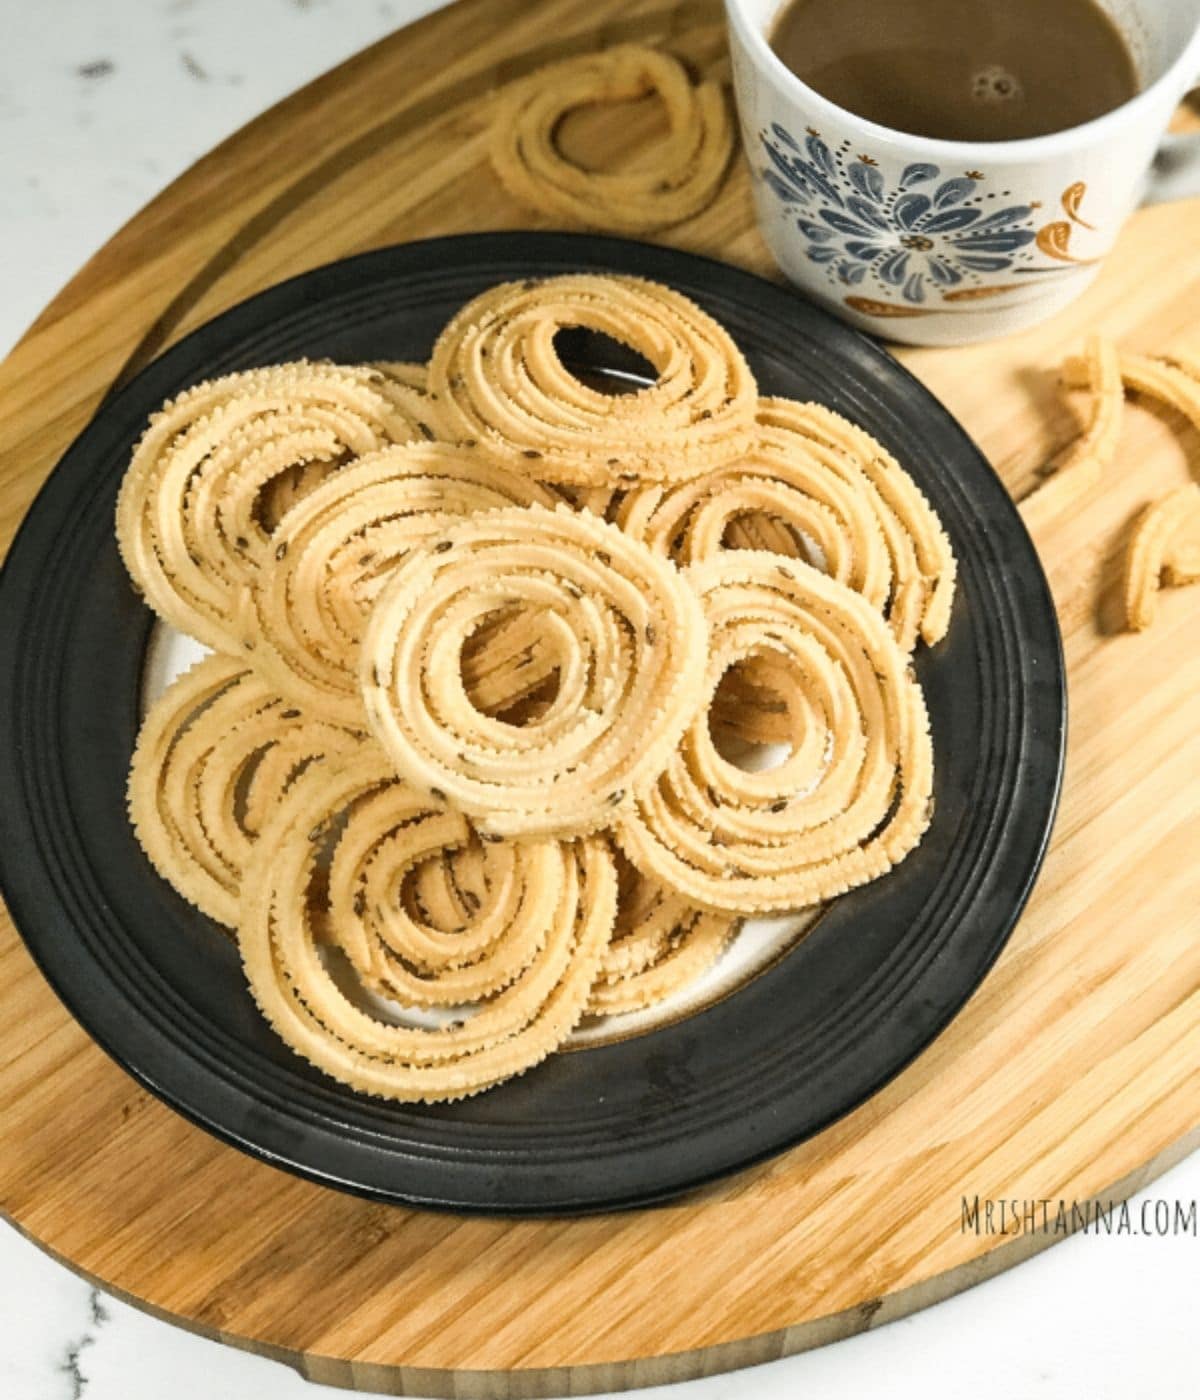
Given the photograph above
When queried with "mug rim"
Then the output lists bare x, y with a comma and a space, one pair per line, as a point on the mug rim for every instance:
1022, 148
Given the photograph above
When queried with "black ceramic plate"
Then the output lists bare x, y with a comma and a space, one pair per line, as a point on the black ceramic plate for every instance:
621, 1124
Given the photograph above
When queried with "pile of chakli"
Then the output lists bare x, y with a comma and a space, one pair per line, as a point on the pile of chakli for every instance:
460, 770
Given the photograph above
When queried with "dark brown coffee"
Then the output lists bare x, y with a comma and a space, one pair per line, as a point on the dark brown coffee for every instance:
963, 70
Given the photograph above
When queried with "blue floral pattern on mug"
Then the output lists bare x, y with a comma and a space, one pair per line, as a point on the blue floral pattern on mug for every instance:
925, 233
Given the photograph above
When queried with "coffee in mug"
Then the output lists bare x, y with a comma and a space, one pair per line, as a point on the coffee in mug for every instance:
961, 70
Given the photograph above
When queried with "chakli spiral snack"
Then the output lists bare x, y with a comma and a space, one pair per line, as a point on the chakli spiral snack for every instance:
852, 797
773, 498
812, 486
188, 517
673, 181
498, 379
628, 637
333, 552
660, 943
1149, 555
214, 755
514, 1028
428, 913
468, 765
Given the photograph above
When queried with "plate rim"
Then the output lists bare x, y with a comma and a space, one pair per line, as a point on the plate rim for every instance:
455, 250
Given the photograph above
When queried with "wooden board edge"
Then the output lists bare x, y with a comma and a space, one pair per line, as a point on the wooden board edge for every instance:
542, 1383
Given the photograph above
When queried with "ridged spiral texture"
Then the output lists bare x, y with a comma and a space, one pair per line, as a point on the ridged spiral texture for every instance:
548, 924
215, 754
853, 795
628, 638
198, 500
675, 179
498, 379
335, 550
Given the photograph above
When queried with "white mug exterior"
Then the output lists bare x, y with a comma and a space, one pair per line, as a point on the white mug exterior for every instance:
939, 242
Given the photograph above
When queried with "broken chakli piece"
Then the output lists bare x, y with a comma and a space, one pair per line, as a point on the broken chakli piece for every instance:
1163, 547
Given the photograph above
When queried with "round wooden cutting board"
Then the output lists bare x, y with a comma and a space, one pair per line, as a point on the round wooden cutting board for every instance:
1074, 1071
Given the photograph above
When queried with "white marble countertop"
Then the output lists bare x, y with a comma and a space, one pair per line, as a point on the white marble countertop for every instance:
102, 102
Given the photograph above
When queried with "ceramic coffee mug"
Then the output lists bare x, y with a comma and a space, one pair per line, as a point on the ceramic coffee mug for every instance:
945, 242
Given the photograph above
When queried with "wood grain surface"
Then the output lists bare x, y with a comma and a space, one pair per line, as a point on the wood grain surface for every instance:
1074, 1071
